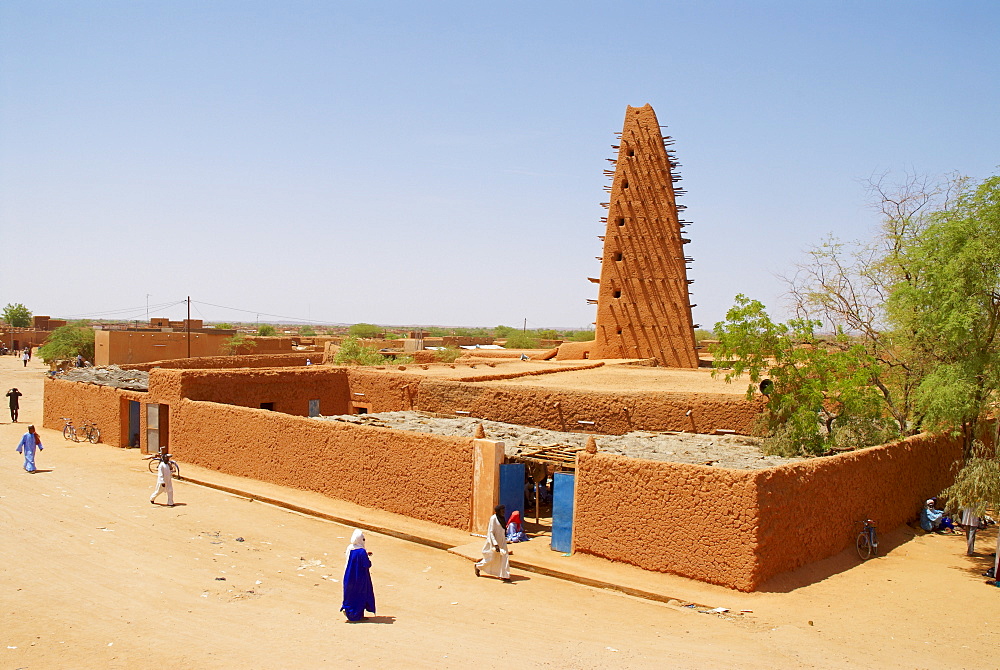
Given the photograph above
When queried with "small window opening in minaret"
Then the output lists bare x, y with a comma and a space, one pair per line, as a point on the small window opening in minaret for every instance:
618, 256
631, 152
625, 184
617, 294
618, 332
621, 221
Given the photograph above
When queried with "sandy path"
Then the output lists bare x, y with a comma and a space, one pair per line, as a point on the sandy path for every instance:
96, 577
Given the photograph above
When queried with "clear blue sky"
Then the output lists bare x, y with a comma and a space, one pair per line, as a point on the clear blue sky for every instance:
441, 162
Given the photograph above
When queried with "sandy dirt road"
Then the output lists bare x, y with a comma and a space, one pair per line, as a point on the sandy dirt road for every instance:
93, 576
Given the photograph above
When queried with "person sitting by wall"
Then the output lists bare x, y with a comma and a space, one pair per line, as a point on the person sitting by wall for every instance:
934, 520
515, 532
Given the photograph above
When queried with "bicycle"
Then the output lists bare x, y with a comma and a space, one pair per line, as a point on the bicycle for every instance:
154, 464
91, 432
867, 540
69, 430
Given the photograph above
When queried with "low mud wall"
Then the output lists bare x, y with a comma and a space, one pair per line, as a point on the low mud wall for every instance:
810, 510
220, 362
420, 476
690, 520
739, 528
104, 405
607, 413
286, 390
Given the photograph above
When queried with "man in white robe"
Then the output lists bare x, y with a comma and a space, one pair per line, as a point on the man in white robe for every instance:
164, 481
495, 555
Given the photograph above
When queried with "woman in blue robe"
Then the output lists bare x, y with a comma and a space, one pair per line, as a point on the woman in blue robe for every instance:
358, 592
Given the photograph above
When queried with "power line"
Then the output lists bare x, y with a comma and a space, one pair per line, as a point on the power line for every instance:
255, 311
132, 310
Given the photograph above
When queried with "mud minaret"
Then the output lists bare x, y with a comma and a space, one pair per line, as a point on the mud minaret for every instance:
643, 307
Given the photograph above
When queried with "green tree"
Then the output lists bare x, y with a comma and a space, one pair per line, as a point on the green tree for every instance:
307, 331
582, 336
353, 352
238, 344
223, 326
504, 331
949, 304
66, 342
521, 340
266, 330
820, 395
702, 334
17, 315
365, 331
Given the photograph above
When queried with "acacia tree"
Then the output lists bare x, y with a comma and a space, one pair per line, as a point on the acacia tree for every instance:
238, 344
66, 342
819, 391
17, 315
950, 307
917, 309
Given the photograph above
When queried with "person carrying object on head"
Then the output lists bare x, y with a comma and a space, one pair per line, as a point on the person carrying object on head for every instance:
13, 396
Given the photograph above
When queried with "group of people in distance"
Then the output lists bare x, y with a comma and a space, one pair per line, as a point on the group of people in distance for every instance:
934, 520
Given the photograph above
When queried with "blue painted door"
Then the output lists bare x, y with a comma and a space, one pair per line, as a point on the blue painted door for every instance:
512, 488
562, 511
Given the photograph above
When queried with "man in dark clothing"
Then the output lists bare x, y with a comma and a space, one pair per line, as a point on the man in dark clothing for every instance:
12, 396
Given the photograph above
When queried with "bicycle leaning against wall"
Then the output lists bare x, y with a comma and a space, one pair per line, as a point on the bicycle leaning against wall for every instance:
867, 540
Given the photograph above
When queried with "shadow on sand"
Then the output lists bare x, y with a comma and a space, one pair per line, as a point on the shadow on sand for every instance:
375, 619
842, 562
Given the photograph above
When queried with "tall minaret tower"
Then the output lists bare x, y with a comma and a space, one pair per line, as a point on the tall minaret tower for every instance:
643, 307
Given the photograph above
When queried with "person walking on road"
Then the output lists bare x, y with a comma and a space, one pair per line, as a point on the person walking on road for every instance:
27, 446
164, 480
495, 555
26, 356
12, 397
358, 592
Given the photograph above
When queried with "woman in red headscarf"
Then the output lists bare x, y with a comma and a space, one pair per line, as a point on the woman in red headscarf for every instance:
515, 533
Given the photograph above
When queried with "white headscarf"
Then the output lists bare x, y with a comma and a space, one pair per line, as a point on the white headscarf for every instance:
357, 542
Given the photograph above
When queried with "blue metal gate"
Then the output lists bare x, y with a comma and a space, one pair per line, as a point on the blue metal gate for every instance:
562, 511
512, 488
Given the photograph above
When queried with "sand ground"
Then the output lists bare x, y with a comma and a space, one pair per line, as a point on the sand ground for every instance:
95, 577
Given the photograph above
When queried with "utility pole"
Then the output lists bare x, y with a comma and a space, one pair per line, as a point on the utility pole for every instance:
147, 309
189, 327
524, 330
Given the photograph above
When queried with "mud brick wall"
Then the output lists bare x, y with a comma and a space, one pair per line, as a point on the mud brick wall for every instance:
692, 520
219, 362
810, 510
420, 476
739, 528
612, 414
105, 405
379, 391
290, 389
